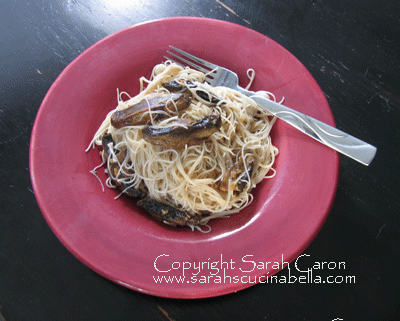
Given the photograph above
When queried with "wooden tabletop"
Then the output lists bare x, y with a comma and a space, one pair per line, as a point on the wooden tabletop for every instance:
351, 48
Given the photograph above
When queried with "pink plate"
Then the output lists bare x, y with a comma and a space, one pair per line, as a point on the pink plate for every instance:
117, 239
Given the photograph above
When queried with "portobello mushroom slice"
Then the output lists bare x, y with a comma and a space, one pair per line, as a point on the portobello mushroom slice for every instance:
237, 173
177, 136
118, 177
108, 145
167, 213
205, 96
176, 86
138, 114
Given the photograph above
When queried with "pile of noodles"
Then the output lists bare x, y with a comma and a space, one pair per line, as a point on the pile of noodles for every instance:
188, 178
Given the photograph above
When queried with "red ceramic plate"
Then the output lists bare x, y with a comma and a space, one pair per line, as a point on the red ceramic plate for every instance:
116, 238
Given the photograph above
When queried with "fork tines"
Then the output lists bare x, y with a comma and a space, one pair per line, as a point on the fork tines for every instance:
189, 60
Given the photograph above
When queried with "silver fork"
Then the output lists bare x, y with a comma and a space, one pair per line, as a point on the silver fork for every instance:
325, 134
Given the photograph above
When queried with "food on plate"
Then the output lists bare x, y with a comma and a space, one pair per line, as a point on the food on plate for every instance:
138, 114
187, 151
182, 132
167, 213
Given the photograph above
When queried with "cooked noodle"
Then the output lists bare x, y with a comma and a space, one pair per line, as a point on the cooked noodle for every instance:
187, 178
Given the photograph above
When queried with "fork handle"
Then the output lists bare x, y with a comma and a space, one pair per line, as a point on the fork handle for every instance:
327, 135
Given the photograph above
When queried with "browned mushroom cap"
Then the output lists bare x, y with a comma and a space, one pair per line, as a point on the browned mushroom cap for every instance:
138, 114
176, 136
167, 213
237, 172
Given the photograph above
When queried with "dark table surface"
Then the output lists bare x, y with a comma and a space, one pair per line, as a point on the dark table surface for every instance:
352, 48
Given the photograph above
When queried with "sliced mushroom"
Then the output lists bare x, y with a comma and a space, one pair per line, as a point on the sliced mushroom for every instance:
177, 136
167, 213
207, 97
117, 176
175, 86
138, 114
202, 95
108, 146
237, 172
131, 191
